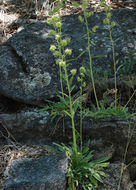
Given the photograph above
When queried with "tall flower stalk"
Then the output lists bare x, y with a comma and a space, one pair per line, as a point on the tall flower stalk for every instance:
111, 24
60, 53
82, 85
84, 19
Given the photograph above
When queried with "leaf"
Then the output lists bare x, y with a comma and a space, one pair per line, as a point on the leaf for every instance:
52, 148
67, 113
102, 173
55, 10
104, 164
93, 181
61, 148
119, 67
76, 106
97, 176
101, 160
50, 13
75, 4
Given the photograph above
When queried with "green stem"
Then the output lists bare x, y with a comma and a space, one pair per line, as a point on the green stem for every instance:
61, 56
81, 115
130, 99
61, 84
114, 62
71, 112
90, 61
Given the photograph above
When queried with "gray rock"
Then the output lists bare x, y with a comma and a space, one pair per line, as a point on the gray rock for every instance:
28, 124
27, 68
112, 181
34, 127
44, 173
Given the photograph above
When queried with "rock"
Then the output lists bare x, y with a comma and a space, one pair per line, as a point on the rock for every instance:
112, 181
28, 124
49, 173
27, 68
42, 173
34, 127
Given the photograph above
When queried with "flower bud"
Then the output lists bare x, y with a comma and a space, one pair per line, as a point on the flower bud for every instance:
108, 15
82, 75
73, 71
68, 40
52, 32
64, 43
56, 18
68, 51
106, 21
49, 21
62, 63
79, 79
58, 24
113, 24
82, 70
84, 84
52, 48
107, 9
57, 54
57, 37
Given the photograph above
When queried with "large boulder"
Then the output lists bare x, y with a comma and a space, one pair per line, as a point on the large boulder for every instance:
44, 173
35, 127
27, 68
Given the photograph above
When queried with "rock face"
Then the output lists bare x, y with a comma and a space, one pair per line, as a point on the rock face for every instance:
44, 173
27, 69
28, 124
33, 126
112, 181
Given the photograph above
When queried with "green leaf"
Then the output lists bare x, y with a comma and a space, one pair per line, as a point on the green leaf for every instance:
97, 176
101, 160
52, 148
50, 13
55, 10
102, 173
60, 4
104, 164
67, 113
84, 5
93, 181
75, 4
61, 148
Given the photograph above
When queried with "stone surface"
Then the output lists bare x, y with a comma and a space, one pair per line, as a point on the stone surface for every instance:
112, 181
27, 68
35, 127
44, 173
28, 125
